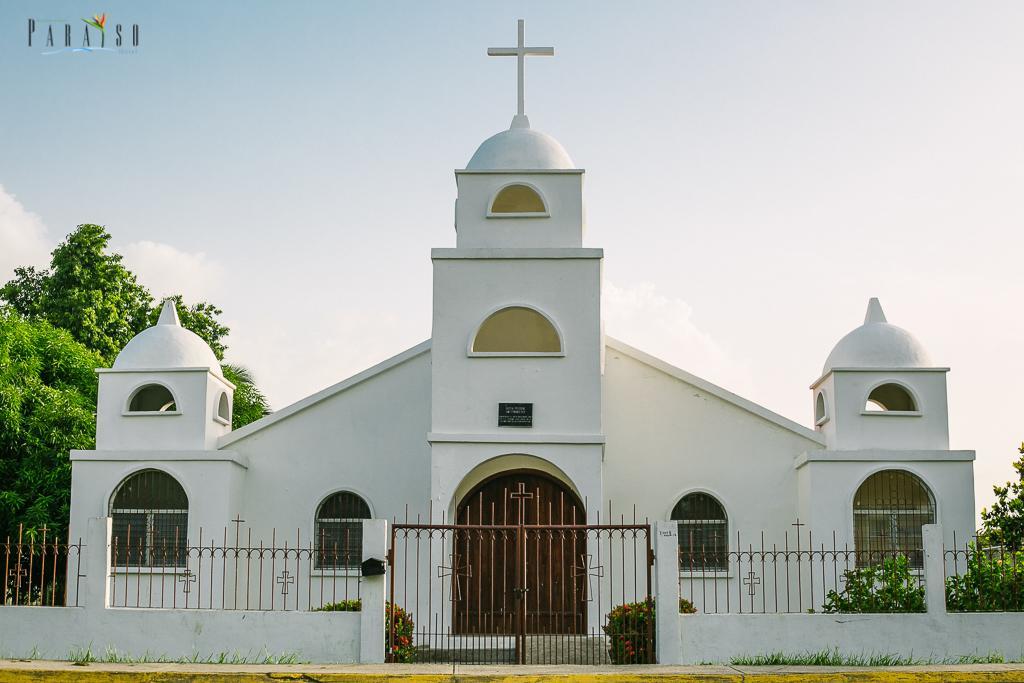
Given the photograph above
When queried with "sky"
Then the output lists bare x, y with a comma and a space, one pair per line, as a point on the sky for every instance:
755, 172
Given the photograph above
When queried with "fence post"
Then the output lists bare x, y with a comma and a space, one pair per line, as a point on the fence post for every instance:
666, 567
934, 569
373, 594
97, 563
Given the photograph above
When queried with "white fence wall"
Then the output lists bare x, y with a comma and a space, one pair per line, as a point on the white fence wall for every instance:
937, 635
721, 637
98, 624
53, 632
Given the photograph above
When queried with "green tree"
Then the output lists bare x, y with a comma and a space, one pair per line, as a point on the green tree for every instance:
249, 402
1003, 523
89, 293
86, 291
47, 408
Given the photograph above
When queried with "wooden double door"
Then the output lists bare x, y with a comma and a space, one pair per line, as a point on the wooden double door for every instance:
519, 566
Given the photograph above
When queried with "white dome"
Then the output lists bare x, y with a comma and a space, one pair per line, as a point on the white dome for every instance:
878, 344
520, 148
167, 345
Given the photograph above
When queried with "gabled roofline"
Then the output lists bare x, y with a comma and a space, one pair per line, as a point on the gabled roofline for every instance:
322, 395
716, 391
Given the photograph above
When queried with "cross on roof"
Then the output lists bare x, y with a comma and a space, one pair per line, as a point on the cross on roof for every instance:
520, 52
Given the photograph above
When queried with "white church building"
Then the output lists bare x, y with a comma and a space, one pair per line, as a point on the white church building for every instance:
519, 384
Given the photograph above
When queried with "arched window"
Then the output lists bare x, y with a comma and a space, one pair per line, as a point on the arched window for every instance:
224, 407
820, 412
890, 397
888, 511
703, 533
518, 200
517, 329
152, 398
150, 521
339, 531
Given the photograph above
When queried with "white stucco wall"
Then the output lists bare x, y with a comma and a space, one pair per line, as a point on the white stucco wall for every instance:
830, 480
720, 637
849, 426
369, 438
561, 190
667, 437
469, 285
54, 631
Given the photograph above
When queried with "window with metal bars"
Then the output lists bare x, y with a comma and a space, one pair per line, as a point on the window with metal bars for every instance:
149, 512
339, 531
703, 533
889, 509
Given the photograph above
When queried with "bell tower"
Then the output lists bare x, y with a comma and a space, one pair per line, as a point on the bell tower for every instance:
517, 339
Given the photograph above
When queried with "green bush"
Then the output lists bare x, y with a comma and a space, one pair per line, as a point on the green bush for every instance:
400, 644
628, 628
343, 606
889, 587
990, 583
686, 607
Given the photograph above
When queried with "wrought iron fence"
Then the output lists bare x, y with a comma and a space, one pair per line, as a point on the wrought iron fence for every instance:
528, 593
799, 573
38, 569
983, 578
233, 571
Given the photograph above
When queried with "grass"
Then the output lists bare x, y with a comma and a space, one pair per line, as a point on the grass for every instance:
85, 656
834, 657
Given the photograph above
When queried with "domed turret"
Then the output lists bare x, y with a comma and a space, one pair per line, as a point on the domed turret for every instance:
879, 389
877, 344
520, 148
165, 391
167, 345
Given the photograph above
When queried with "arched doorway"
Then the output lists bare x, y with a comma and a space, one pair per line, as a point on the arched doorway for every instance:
494, 556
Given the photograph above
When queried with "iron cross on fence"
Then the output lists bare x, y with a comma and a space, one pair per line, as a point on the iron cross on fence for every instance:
238, 522
520, 52
589, 571
522, 495
442, 571
18, 573
751, 582
187, 578
285, 579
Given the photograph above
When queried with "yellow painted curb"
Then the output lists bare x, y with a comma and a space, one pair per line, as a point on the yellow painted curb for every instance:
86, 675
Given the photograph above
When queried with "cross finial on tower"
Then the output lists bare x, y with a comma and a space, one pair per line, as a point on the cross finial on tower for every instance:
520, 52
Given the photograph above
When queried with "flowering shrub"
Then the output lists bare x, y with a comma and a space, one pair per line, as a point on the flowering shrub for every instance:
398, 636
888, 587
630, 629
686, 607
990, 584
342, 606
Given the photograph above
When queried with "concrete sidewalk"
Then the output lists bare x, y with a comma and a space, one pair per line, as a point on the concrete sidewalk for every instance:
14, 671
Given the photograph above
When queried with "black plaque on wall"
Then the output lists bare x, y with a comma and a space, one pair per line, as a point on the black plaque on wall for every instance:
515, 414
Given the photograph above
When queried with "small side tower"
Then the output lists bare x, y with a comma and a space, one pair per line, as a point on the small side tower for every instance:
879, 389
164, 392
887, 470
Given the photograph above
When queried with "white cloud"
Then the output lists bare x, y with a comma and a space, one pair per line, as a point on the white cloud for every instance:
661, 326
167, 270
300, 351
23, 239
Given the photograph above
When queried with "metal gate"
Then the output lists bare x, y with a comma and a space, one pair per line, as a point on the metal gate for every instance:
520, 593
